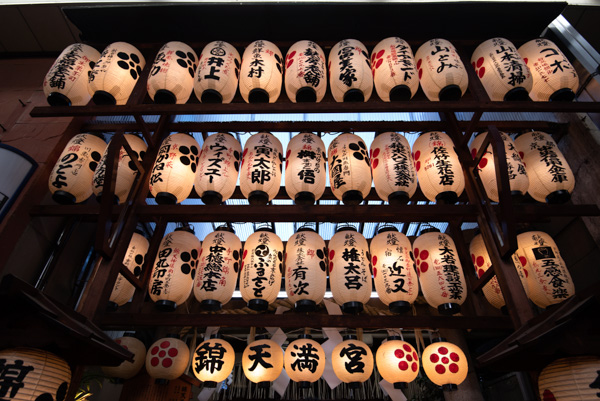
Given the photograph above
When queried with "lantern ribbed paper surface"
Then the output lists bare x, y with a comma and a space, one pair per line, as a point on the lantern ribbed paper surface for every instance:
66, 83
167, 358
305, 74
352, 361
393, 168
260, 175
445, 364
126, 370
71, 178
570, 379
441, 72
115, 74
349, 169
171, 79
304, 360
134, 257
261, 74
213, 360
397, 361
262, 361
218, 73
394, 70
349, 72
305, 168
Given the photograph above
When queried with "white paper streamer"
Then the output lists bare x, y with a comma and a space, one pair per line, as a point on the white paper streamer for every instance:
210, 331
207, 392
280, 384
395, 394
334, 338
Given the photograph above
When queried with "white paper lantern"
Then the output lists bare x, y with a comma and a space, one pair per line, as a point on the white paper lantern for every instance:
397, 362
393, 168
174, 170
305, 168
260, 175
352, 361
213, 361
167, 359
126, 370
438, 167
304, 360
570, 379
261, 74
502, 71
71, 178
134, 257
115, 74
441, 72
349, 169
305, 73
66, 83
349, 70
171, 78
554, 78
445, 364
218, 73
394, 70
262, 361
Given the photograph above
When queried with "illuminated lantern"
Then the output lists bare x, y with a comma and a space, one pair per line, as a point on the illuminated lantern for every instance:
126, 169
174, 170
126, 370
167, 359
66, 83
262, 361
397, 362
438, 167
394, 274
551, 179
441, 72
123, 290
349, 269
574, 378
115, 74
305, 168
262, 264
548, 279
393, 168
517, 176
260, 176
213, 361
217, 273
218, 168
305, 75
261, 74
174, 269
349, 169
352, 361
349, 72
71, 178
304, 360
445, 364
502, 71
305, 269
440, 272
394, 70
30, 374
554, 78
171, 78
218, 73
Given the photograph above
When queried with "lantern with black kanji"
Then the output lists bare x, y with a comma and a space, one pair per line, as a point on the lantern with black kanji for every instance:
218, 73
126, 370
71, 178
261, 73
123, 290
66, 83
397, 362
394, 70
174, 269
171, 78
115, 74
213, 361
260, 175
167, 359
174, 171
574, 378
349, 169
441, 72
305, 72
305, 168
438, 167
262, 361
349, 71
393, 168
304, 360
352, 361
445, 364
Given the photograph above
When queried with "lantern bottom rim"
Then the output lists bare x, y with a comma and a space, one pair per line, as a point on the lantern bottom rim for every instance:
112, 306
118, 380
304, 198
58, 99
115, 198
400, 93
400, 385
517, 94
210, 384
449, 387
354, 95
165, 198
354, 385
161, 381
447, 197
103, 98
563, 95
558, 197
399, 307
163, 96
352, 307
210, 305
398, 198
258, 198
259, 305
165, 305
504, 310
352, 198
450, 93
304, 384
263, 384
211, 96
517, 196
306, 95
305, 305
64, 198
449, 308
211, 198
258, 95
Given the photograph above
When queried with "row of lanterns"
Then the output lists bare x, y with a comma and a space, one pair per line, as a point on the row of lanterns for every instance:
538, 69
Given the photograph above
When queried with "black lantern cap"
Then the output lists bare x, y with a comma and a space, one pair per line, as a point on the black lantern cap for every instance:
449, 309
163, 96
165, 306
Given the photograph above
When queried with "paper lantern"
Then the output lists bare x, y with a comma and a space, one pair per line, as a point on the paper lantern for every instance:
445, 364
305, 168
115, 74
551, 179
394, 274
394, 70
174, 170
502, 71
262, 264
440, 272
305, 269
352, 361
171, 78
441, 72
260, 175
218, 168
71, 178
213, 361
30, 374
66, 83
16, 168
305, 74
126, 370
349, 269
262, 361
167, 359
517, 176
438, 167
218, 73
548, 279
134, 257
393, 168
304, 360
574, 378
349, 72
349, 169
174, 269
217, 274
126, 169
261, 74
554, 78
397, 362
